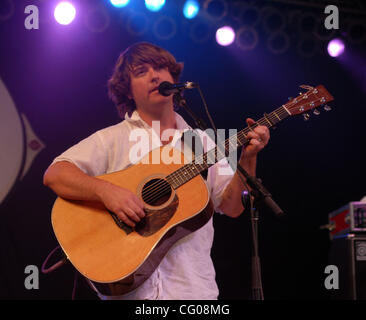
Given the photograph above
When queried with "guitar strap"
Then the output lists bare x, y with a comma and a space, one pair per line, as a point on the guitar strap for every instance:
190, 138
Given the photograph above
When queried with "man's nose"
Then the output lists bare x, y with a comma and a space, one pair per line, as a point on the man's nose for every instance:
154, 74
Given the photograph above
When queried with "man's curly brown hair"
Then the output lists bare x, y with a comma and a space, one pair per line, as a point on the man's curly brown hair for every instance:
135, 55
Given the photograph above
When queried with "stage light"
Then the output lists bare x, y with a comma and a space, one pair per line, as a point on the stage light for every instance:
201, 31
64, 13
154, 5
274, 21
191, 8
6, 9
137, 23
225, 36
246, 38
97, 19
249, 15
216, 9
119, 3
164, 28
335, 47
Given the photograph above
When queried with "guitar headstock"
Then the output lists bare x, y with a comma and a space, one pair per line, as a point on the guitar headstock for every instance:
309, 100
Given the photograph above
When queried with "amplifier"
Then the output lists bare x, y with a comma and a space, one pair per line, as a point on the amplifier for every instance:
348, 253
350, 218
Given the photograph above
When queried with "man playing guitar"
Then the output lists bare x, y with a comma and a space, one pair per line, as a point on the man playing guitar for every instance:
186, 271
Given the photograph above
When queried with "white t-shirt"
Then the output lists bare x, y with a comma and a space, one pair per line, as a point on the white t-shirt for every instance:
187, 271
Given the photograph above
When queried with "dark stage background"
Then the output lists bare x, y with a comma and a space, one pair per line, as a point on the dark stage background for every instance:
57, 78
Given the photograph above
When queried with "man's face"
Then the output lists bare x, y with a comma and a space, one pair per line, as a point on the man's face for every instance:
145, 80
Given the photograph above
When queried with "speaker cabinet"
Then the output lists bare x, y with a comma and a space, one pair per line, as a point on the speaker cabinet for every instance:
348, 253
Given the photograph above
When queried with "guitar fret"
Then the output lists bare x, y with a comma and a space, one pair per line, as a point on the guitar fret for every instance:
286, 110
268, 121
185, 172
175, 180
206, 160
171, 181
192, 169
276, 115
234, 146
179, 177
240, 139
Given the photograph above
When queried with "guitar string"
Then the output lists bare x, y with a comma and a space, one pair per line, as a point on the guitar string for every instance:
158, 190
280, 111
175, 176
164, 186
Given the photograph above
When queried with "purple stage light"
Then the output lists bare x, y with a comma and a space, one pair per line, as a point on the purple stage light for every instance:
64, 13
225, 36
335, 47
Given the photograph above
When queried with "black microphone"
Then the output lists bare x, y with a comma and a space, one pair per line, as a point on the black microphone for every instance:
166, 88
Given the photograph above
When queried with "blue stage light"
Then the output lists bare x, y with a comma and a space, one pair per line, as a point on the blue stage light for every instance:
154, 5
119, 3
191, 8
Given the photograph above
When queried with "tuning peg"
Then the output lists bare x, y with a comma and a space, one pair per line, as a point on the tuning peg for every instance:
306, 116
316, 112
306, 87
327, 108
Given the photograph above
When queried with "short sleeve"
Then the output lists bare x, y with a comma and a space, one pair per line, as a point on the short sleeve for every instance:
219, 175
89, 155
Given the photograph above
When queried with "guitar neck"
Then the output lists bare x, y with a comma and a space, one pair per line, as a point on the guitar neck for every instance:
206, 160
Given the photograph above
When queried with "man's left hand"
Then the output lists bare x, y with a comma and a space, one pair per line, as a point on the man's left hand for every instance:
259, 138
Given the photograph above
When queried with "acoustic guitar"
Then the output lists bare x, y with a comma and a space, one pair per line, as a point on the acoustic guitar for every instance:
116, 258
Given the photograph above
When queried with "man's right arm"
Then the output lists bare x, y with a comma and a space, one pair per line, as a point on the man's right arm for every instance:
69, 182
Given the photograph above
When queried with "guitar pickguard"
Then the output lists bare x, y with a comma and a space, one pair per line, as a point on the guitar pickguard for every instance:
152, 222
156, 219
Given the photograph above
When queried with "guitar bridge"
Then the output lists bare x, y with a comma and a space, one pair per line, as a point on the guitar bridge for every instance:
120, 223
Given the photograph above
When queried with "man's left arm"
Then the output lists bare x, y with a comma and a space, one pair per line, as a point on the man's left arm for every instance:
231, 203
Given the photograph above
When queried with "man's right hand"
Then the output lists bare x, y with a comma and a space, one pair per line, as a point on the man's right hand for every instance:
69, 182
124, 203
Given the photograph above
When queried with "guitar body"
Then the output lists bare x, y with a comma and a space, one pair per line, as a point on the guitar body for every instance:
117, 258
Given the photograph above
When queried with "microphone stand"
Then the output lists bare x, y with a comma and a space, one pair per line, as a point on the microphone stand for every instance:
260, 194
181, 102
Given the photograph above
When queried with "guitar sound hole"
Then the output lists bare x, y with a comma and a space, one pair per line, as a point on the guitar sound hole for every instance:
156, 192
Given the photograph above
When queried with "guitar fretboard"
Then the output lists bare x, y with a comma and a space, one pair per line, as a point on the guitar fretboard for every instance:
206, 160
